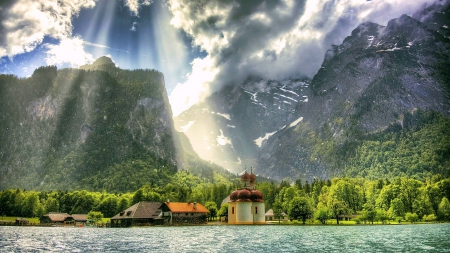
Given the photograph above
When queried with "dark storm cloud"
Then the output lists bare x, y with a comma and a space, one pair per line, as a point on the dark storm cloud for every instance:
275, 39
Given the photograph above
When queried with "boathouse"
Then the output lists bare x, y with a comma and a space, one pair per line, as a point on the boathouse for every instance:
56, 218
143, 213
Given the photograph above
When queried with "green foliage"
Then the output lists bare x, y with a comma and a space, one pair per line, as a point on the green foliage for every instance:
212, 208
322, 213
223, 211
411, 217
300, 208
421, 148
95, 216
444, 209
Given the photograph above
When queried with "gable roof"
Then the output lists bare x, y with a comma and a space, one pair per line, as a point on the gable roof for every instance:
270, 213
143, 209
79, 217
57, 216
183, 207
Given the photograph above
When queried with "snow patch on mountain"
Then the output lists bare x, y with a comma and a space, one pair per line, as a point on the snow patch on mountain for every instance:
225, 115
222, 139
296, 122
186, 127
259, 141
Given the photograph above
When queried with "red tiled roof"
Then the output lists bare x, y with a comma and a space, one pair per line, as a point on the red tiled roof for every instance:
183, 207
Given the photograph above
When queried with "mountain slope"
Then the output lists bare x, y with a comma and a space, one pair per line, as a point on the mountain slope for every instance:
374, 79
70, 128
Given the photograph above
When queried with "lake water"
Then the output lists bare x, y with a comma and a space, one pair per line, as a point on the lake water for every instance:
268, 238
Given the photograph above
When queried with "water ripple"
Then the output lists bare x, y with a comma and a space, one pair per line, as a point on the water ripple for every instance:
391, 238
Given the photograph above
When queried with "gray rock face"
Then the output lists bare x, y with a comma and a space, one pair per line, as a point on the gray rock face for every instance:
365, 84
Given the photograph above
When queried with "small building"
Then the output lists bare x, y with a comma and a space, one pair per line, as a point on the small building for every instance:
179, 213
143, 213
246, 205
271, 217
57, 218
80, 219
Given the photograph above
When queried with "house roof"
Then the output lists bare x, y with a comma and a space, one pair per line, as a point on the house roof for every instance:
80, 217
143, 209
57, 216
270, 213
183, 207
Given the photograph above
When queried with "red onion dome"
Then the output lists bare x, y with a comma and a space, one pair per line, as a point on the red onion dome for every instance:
252, 178
245, 177
256, 196
244, 195
234, 196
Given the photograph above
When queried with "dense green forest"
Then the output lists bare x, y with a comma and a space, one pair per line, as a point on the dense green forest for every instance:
418, 146
373, 200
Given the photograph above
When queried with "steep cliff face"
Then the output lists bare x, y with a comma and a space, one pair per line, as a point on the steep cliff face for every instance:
66, 128
231, 125
369, 82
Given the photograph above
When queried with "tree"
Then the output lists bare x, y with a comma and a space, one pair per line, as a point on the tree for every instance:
369, 213
300, 208
223, 211
397, 209
337, 208
322, 213
382, 215
108, 206
411, 217
212, 208
95, 216
429, 218
277, 211
444, 209
409, 191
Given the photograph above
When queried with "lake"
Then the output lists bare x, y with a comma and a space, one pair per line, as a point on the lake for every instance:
268, 238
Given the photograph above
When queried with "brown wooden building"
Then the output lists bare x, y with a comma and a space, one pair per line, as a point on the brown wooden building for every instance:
56, 218
140, 214
179, 213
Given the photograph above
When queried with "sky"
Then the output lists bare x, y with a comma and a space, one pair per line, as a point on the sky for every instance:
199, 45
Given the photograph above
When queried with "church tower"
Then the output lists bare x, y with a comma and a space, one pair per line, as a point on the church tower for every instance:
246, 205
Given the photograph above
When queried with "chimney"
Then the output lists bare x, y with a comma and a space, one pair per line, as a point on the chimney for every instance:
195, 205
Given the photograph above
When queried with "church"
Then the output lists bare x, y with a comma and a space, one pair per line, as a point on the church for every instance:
246, 205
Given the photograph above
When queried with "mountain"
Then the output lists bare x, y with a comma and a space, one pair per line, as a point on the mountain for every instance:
99, 127
384, 85
380, 83
230, 126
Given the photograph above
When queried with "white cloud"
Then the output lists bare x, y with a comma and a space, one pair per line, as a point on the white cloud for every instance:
134, 5
24, 23
275, 39
70, 51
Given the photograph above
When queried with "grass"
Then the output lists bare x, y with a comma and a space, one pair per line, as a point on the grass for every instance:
13, 219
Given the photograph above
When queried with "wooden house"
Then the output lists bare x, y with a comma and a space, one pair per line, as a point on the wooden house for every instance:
143, 213
179, 213
56, 218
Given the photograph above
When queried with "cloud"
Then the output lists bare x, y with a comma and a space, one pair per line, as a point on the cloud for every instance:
275, 39
69, 51
24, 23
134, 5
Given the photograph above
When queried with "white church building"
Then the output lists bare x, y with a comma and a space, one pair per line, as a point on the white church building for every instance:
246, 205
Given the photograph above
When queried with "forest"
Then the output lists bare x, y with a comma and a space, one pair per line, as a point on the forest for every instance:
401, 198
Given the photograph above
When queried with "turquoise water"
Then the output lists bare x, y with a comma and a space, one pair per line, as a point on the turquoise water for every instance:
268, 238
